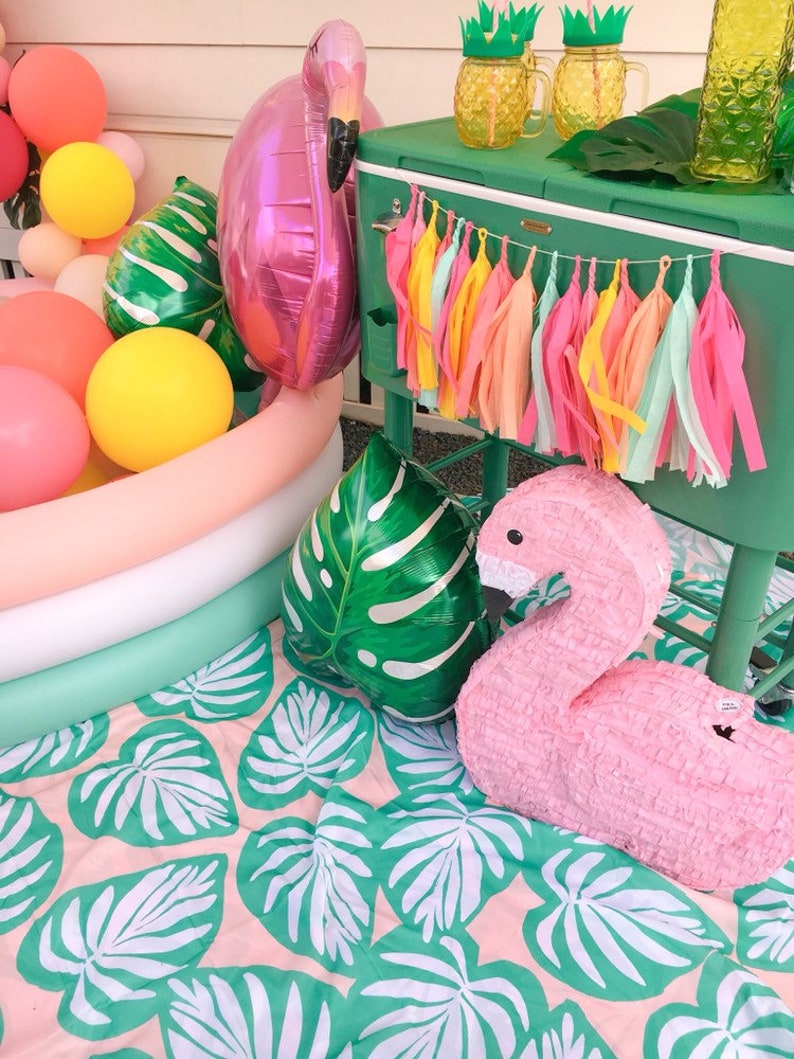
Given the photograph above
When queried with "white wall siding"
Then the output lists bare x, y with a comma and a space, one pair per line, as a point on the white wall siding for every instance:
180, 74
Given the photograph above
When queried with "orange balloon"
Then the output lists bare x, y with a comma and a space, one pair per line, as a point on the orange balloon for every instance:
57, 97
55, 334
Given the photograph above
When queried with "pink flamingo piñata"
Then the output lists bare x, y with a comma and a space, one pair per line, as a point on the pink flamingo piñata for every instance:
648, 756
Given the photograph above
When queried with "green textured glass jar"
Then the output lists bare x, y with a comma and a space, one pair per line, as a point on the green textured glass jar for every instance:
749, 56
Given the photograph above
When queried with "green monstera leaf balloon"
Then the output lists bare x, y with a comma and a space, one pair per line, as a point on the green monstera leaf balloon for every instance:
382, 587
165, 271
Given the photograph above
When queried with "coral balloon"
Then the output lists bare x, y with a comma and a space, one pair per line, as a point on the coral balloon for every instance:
83, 279
5, 75
57, 97
127, 149
87, 190
107, 244
13, 157
44, 438
55, 334
156, 394
46, 249
285, 235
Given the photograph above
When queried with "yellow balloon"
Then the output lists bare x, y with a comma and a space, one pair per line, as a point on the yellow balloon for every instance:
87, 190
155, 394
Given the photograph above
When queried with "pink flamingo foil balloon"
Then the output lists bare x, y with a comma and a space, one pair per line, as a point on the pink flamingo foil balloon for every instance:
286, 215
648, 756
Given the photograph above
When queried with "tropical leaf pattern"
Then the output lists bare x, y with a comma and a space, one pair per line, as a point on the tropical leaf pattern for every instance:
252, 1011
110, 946
475, 850
607, 923
397, 609
441, 1001
234, 685
255, 863
167, 787
55, 752
311, 886
567, 1035
311, 740
736, 1015
766, 922
423, 755
31, 854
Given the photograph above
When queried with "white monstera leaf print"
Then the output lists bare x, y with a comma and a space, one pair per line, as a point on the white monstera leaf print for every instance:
31, 853
736, 1017
312, 739
569, 1037
53, 752
252, 1013
441, 1002
110, 946
311, 885
766, 922
234, 685
607, 925
167, 787
423, 755
446, 858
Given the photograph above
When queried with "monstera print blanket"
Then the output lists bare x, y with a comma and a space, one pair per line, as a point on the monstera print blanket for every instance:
250, 864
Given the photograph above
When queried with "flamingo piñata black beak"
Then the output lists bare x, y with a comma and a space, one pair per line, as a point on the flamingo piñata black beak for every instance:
342, 143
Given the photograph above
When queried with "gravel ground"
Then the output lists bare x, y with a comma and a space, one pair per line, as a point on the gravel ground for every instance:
464, 478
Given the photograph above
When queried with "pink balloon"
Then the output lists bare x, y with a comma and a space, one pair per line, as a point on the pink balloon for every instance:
44, 439
13, 157
127, 149
285, 232
12, 288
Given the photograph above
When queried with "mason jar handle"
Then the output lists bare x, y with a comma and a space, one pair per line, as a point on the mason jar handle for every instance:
541, 117
642, 70
544, 60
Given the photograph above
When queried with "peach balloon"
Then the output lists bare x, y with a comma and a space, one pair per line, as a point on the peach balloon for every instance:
83, 278
127, 149
57, 97
46, 249
5, 74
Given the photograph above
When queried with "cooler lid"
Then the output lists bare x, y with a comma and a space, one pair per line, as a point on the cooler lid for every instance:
433, 147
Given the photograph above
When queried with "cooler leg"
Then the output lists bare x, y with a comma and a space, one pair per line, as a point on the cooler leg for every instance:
398, 421
743, 602
494, 474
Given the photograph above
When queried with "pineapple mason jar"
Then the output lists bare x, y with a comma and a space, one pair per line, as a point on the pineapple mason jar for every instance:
749, 56
589, 85
491, 90
538, 79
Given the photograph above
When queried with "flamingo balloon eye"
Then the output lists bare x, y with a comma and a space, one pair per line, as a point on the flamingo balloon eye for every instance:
515, 536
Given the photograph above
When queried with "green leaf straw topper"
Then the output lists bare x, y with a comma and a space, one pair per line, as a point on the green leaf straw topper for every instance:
580, 31
523, 20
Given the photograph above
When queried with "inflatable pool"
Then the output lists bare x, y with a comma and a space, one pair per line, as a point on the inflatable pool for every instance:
111, 592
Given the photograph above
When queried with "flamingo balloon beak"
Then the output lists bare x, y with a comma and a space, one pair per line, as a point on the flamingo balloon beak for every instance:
342, 142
